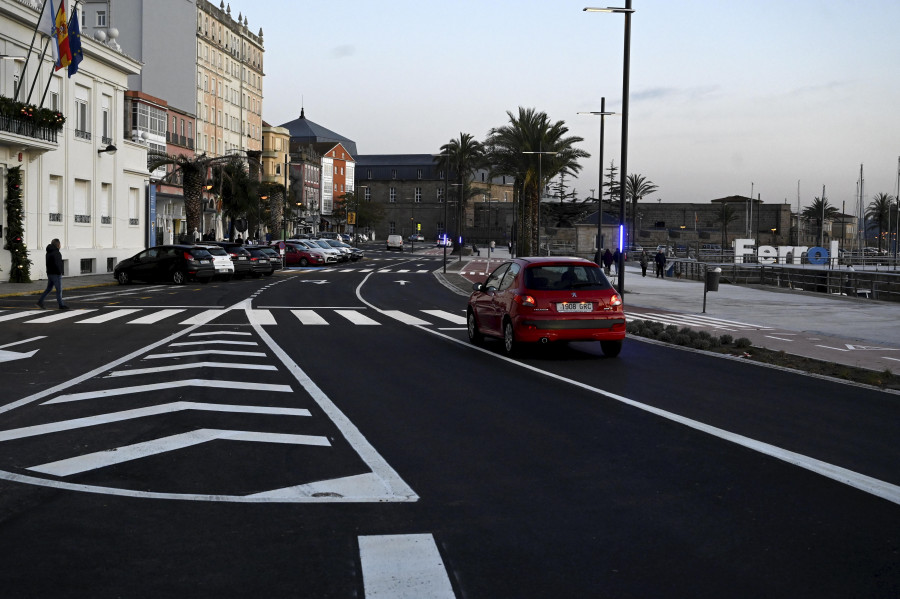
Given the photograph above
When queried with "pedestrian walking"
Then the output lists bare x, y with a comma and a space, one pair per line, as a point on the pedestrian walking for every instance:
615, 258
660, 260
54, 275
607, 260
644, 260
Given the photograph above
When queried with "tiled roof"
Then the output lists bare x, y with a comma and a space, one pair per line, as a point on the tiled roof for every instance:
304, 131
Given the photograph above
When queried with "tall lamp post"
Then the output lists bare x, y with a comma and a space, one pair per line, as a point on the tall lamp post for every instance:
602, 114
356, 216
458, 218
627, 11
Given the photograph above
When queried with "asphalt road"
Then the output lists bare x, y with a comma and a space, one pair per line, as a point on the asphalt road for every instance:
331, 433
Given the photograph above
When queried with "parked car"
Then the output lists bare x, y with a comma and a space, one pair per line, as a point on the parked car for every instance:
443, 241
273, 255
331, 254
346, 238
260, 263
240, 257
297, 254
354, 253
341, 247
416, 237
542, 299
395, 242
221, 260
175, 263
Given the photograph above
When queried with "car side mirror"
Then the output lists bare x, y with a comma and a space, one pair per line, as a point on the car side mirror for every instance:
477, 286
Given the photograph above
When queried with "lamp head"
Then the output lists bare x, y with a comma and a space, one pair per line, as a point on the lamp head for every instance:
110, 149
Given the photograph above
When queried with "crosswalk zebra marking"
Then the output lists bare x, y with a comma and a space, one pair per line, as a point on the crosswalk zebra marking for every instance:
59, 316
155, 317
405, 318
454, 318
309, 317
356, 317
111, 315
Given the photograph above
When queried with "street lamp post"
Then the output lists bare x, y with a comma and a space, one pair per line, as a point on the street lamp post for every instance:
602, 114
627, 11
458, 218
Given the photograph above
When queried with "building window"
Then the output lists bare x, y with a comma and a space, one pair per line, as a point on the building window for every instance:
440, 195
368, 194
392, 228
418, 194
82, 112
82, 201
101, 18
105, 124
393, 195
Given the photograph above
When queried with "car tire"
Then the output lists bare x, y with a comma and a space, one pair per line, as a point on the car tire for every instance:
611, 349
510, 345
178, 277
304, 262
123, 278
475, 335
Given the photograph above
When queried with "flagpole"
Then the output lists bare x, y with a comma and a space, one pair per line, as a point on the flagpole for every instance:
30, 49
38, 74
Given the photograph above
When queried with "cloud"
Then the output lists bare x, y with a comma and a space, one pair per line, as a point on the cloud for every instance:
672, 93
344, 51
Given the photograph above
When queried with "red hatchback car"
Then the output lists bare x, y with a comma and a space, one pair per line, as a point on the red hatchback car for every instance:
542, 299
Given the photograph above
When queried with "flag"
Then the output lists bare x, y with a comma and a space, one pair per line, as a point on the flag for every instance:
47, 26
61, 37
74, 43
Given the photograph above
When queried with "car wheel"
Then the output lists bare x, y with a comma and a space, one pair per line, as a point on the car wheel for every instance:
123, 278
304, 262
510, 346
475, 335
178, 277
611, 349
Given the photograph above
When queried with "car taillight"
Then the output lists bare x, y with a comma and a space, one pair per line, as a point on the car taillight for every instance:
254, 259
189, 257
525, 300
615, 300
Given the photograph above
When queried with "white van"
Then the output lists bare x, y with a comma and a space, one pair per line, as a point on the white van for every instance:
395, 242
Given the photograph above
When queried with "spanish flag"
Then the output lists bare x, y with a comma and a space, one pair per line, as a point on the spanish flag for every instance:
61, 36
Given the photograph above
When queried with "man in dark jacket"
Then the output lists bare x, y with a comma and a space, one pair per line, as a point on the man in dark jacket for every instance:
660, 260
54, 275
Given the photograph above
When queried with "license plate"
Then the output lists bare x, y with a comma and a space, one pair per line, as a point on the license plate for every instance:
205, 262
574, 307
263, 261
242, 257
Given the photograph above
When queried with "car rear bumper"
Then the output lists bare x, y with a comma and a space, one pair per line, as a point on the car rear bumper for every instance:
574, 329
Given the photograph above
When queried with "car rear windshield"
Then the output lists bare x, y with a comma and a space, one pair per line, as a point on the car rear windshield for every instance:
216, 251
550, 277
200, 253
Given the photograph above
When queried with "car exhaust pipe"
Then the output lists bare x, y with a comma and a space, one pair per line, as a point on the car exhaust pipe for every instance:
544, 340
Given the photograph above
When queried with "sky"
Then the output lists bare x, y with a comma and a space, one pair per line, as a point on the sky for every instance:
726, 96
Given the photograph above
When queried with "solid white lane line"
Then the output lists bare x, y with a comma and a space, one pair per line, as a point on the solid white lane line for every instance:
101, 459
308, 317
403, 567
205, 352
109, 316
230, 385
168, 408
449, 316
356, 318
156, 316
214, 342
61, 315
191, 366
404, 317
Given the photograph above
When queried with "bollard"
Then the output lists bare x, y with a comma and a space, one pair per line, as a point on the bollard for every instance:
711, 283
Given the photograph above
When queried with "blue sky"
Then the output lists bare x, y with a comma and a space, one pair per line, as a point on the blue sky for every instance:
723, 93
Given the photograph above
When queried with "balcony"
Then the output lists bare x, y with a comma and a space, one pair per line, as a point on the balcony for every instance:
23, 134
83, 218
55, 217
79, 134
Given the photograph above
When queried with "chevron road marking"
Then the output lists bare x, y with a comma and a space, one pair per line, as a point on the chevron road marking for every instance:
205, 352
230, 385
193, 366
167, 408
101, 459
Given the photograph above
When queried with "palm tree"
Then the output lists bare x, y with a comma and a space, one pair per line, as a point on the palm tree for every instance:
725, 218
461, 157
637, 187
819, 211
553, 154
879, 210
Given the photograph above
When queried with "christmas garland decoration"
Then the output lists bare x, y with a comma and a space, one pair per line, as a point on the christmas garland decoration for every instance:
29, 113
15, 232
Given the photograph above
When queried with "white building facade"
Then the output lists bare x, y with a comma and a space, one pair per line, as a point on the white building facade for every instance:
92, 200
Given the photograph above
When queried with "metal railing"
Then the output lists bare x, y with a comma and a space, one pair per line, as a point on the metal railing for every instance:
26, 128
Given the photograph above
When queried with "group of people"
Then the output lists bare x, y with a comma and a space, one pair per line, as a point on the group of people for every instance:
660, 260
610, 261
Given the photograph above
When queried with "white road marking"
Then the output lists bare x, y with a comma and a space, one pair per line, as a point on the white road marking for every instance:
61, 315
214, 342
204, 317
404, 317
16, 315
23, 341
261, 317
834, 348
778, 338
309, 317
229, 385
102, 459
403, 567
193, 366
109, 316
168, 408
356, 318
156, 316
206, 352
448, 316
219, 333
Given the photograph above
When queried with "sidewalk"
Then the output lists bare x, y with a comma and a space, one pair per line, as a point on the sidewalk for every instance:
36, 287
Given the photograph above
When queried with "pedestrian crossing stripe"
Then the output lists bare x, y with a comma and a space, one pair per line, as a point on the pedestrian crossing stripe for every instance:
264, 317
690, 320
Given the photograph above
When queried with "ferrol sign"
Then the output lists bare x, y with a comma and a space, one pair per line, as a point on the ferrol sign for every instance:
783, 254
